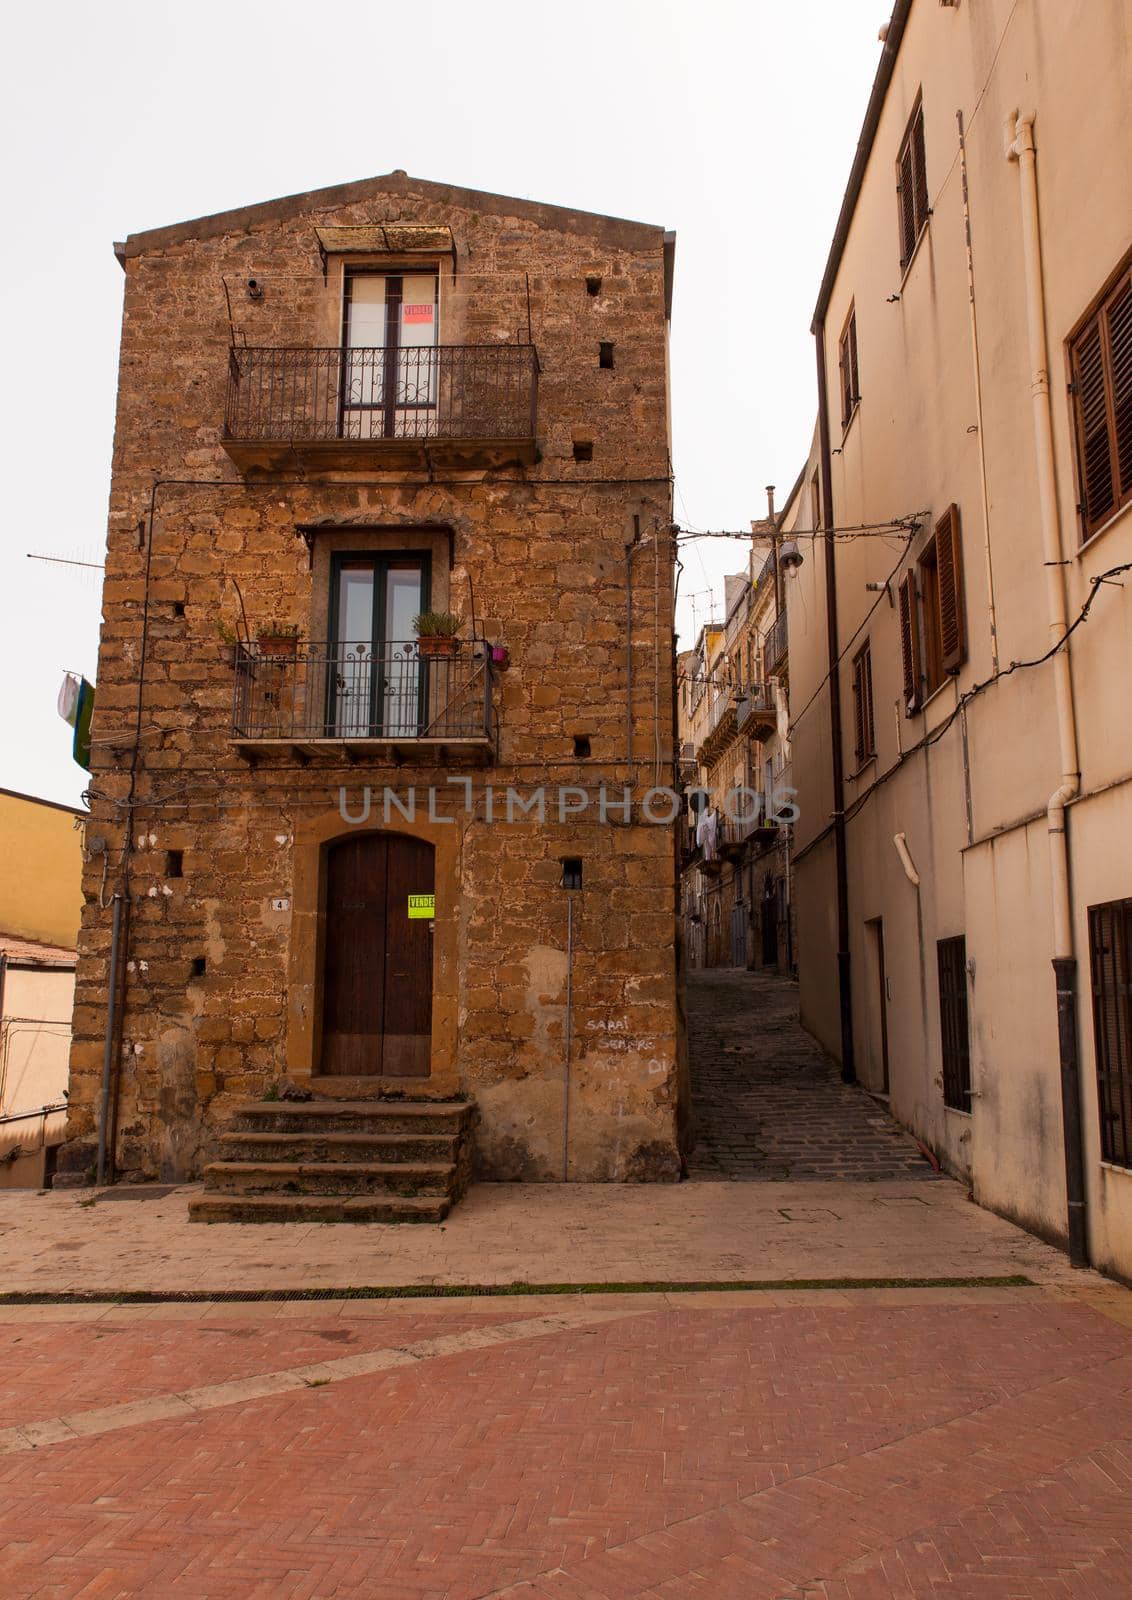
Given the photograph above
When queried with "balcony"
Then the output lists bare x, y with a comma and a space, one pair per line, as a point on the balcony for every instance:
757, 712
358, 702
454, 406
775, 644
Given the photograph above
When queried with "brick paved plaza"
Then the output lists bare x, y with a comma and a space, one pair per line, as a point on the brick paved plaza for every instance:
793, 1444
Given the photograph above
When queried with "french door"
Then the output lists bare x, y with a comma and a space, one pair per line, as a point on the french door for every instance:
389, 355
377, 681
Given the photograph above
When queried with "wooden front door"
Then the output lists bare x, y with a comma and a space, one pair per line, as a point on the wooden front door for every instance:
377, 966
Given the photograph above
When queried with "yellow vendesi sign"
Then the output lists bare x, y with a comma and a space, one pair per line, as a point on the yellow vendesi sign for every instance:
422, 905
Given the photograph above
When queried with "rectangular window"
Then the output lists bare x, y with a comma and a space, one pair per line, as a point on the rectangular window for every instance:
389, 355
863, 705
1100, 356
912, 187
847, 364
1110, 952
936, 653
377, 682
954, 1023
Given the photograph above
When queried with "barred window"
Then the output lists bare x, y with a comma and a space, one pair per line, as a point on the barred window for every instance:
1110, 952
954, 1022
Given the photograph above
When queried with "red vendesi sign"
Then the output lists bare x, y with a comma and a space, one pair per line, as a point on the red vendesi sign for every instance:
416, 313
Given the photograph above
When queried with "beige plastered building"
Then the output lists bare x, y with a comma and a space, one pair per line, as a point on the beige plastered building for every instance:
962, 865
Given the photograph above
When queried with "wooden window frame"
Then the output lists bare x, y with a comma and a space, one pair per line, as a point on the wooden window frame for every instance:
848, 369
933, 615
864, 720
954, 1022
912, 205
1110, 970
1097, 326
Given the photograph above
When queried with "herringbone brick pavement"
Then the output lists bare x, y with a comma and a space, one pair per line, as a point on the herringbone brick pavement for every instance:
768, 1103
48, 1370
963, 1449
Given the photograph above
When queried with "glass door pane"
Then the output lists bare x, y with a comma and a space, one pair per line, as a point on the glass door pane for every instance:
363, 379
416, 361
351, 654
403, 686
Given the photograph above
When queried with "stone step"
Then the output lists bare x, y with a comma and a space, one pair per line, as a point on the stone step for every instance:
318, 1208
331, 1178
354, 1116
323, 1146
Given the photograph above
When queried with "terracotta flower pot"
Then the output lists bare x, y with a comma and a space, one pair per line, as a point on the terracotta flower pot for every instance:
278, 644
435, 645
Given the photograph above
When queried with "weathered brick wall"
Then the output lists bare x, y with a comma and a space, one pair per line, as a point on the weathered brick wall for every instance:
544, 551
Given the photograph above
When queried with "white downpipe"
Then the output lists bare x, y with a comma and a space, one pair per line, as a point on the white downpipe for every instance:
1020, 147
902, 850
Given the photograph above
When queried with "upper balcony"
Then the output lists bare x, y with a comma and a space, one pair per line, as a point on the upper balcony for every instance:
776, 645
342, 409
364, 702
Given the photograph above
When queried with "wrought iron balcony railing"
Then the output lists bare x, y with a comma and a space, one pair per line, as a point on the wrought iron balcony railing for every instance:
776, 643
373, 401
305, 694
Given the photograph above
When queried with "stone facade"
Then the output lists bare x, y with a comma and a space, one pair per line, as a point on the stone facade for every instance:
735, 902
555, 1009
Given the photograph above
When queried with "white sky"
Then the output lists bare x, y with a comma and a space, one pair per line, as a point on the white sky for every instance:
732, 121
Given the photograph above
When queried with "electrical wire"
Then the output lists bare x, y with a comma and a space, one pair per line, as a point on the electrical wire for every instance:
976, 689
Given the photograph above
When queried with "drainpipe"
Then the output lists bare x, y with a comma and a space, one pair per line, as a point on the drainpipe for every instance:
1019, 139
108, 1047
844, 990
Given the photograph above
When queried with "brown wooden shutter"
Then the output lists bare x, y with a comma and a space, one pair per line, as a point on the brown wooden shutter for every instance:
906, 191
846, 389
1119, 330
909, 645
920, 171
859, 710
952, 611
1098, 491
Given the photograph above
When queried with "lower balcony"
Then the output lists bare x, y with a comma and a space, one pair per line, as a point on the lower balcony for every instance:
447, 406
416, 699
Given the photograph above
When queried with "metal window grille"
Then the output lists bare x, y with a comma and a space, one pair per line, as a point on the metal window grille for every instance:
1110, 953
954, 1023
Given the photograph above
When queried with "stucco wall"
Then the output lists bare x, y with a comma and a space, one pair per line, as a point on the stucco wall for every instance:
40, 881
912, 446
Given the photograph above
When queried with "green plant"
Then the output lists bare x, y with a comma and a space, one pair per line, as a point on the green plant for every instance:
271, 1092
274, 629
436, 625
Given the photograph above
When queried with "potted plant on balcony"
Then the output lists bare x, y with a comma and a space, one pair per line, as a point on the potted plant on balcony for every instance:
436, 633
280, 639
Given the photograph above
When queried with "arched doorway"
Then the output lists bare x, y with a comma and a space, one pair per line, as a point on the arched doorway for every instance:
377, 957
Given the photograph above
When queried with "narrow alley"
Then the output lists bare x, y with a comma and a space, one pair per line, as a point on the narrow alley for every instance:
768, 1103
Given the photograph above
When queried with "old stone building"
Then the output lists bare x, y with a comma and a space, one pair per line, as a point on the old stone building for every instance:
735, 898
349, 858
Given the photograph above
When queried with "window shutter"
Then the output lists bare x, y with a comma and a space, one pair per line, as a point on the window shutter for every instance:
920, 171
1119, 329
952, 612
846, 390
909, 646
859, 709
854, 382
1094, 445
906, 191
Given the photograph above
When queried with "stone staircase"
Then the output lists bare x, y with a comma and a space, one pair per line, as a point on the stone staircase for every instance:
339, 1160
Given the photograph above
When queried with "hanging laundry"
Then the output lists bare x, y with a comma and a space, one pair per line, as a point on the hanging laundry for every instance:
68, 701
